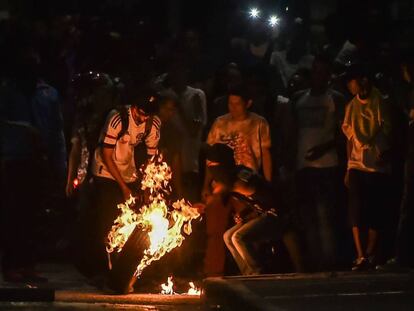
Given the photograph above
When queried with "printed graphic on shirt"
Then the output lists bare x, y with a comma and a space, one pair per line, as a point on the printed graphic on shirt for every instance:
247, 138
124, 146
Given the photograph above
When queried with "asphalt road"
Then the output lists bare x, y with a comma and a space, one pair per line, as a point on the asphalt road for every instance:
329, 291
324, 291
24, 306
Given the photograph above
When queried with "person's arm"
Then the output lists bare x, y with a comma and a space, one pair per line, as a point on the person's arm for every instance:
199, 117
110, 136
265, 144
211, 140
267, 164
348, 132
348, 152
74, 160
203, 103
107, 153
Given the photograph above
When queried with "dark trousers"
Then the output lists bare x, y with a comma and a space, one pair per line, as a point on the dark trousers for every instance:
368, 195
97, 223
316, 190
19, 205
405, 235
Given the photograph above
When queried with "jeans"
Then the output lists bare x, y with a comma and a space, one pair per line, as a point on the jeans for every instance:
240, 239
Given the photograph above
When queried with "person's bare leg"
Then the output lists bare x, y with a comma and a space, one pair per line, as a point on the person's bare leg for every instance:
357, 241
292, 245
372, 241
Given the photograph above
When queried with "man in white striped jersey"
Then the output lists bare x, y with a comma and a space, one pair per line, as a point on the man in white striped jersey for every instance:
113, 167
114, 157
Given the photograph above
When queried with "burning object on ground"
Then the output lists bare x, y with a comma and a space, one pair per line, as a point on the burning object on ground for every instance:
193, 290
143, 235
168, 288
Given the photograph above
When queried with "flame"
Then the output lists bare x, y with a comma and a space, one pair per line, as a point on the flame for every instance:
193, 291
168, 289
123, 227
163, 223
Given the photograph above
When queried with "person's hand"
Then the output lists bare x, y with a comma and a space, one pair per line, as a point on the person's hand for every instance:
126, 192
200, 207
316, 152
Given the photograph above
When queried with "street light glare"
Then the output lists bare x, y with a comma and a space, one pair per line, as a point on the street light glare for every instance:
254, 13
273, 20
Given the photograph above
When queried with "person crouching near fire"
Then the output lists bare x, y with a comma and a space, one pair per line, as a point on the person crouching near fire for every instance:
251, 200
114, 168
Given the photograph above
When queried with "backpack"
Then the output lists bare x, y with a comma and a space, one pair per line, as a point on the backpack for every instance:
140, 150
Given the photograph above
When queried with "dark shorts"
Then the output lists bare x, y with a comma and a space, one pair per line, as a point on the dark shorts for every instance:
368, 194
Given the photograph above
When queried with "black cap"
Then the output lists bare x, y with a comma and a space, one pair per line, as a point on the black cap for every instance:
145, 99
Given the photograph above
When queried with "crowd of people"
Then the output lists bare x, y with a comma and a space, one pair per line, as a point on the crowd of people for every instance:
289, 148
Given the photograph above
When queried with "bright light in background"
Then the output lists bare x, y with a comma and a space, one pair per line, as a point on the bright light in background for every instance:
254, 13
273, 20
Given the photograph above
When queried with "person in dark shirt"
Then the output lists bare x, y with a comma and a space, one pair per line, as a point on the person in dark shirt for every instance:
170, 143
19, 158
404, 253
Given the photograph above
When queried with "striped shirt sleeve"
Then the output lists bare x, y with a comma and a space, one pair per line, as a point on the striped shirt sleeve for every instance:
112, 129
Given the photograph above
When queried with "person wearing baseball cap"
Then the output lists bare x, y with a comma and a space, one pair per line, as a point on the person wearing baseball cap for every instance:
367, 126
114, 162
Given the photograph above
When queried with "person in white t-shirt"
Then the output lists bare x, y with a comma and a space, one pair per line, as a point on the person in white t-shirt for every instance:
248, 134
113, 167
317, 119
367, 126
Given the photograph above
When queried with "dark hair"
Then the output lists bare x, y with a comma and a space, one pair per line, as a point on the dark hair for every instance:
239, 90
145, 99
357, 71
